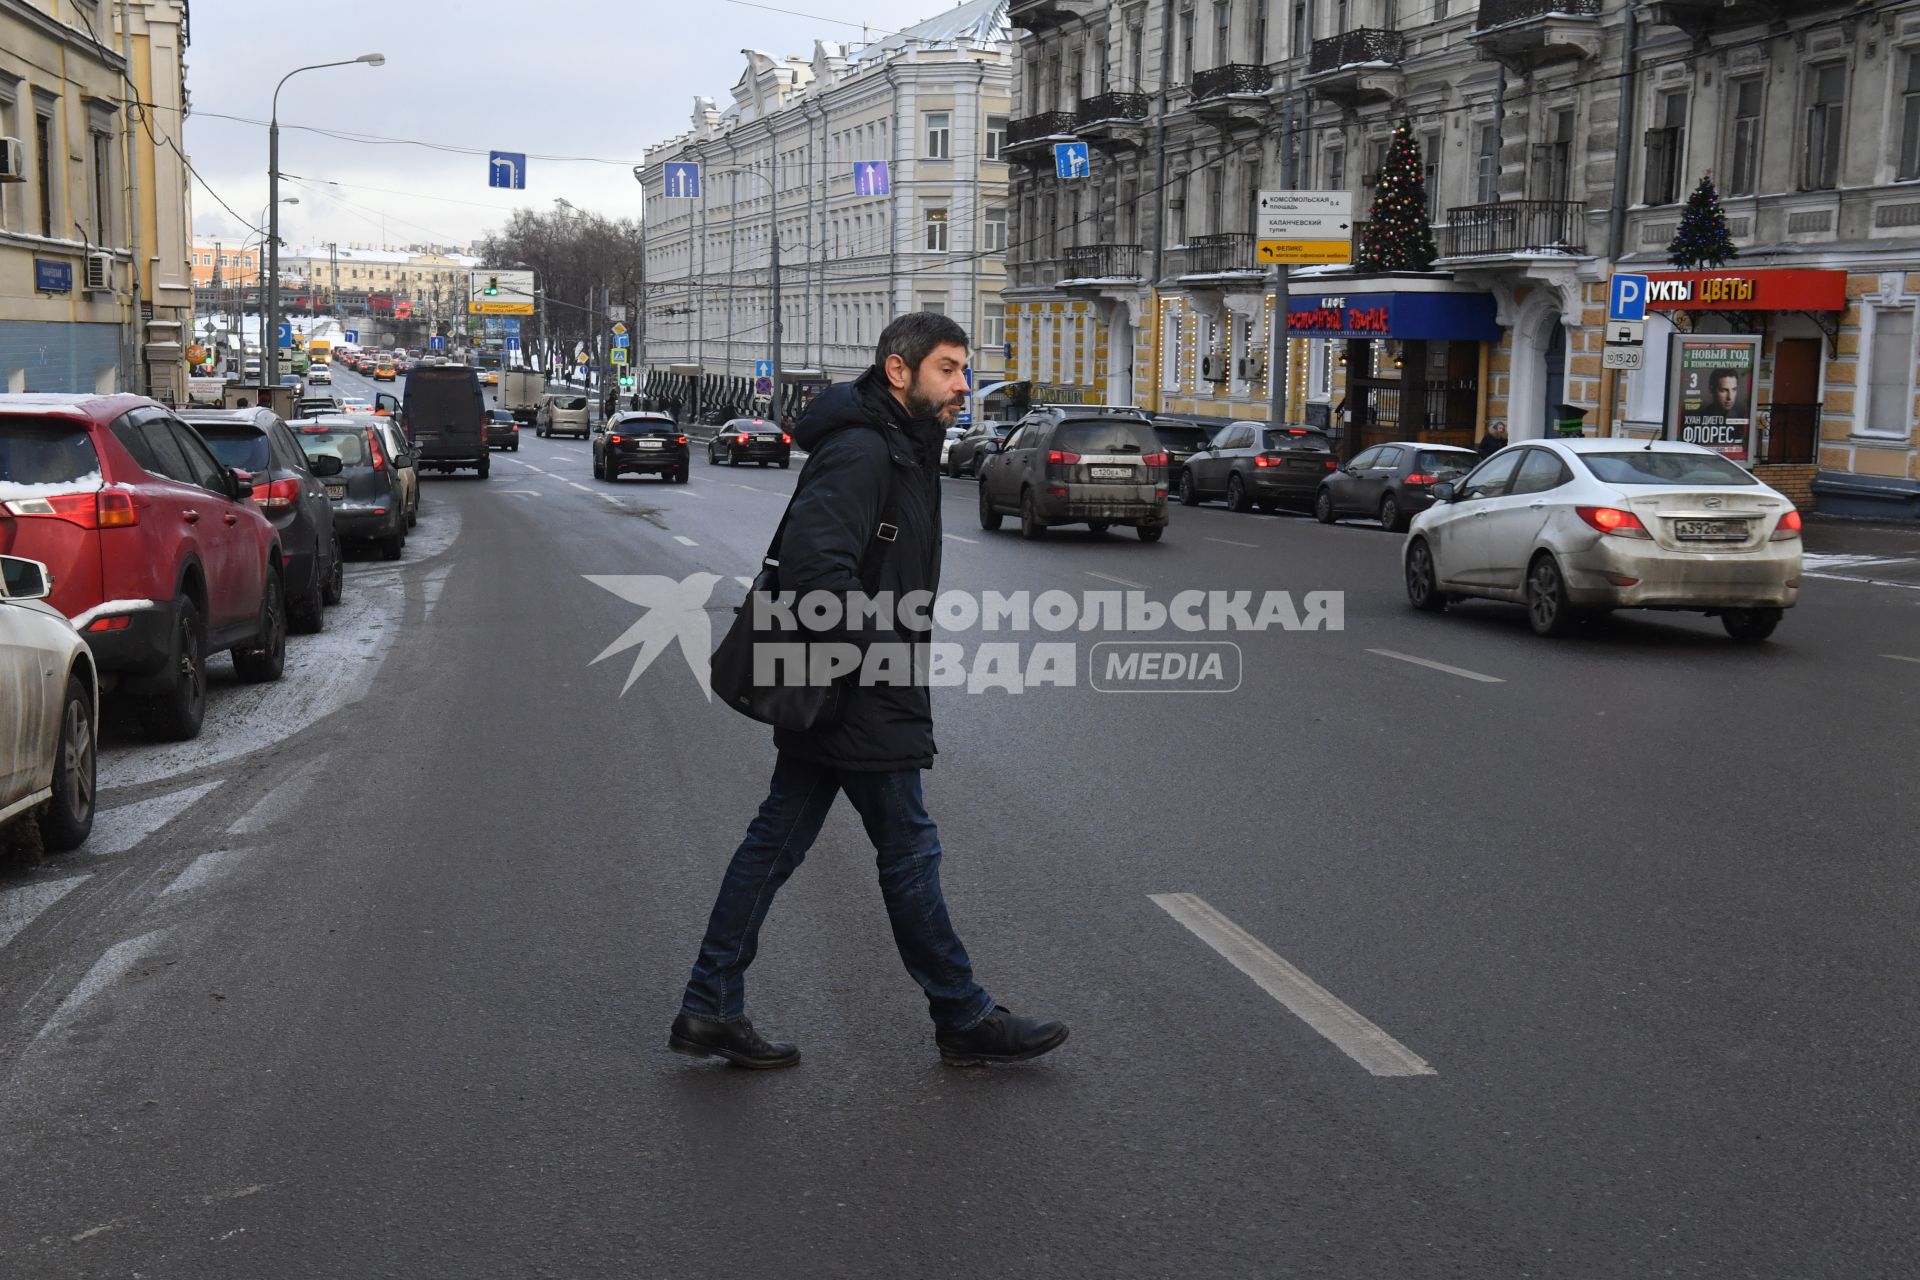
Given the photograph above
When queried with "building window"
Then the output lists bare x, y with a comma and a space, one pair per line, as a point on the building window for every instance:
43, 146
1826, 109
939, 136
1910, 120
936, 241
1336, 168
1102, 74
993, 327
1666, 149
1889, 381
1184, 71
1430, 148
1136, 43
1486, 165
1222, 33
1216, 202
996, 136
994, 235
1743, 166
1297, 45
1553, 158
1076, 78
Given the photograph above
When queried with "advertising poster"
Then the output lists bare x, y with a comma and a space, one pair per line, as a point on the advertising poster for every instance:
1710, 392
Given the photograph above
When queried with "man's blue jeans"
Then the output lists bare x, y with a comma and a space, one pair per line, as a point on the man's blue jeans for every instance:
777, 840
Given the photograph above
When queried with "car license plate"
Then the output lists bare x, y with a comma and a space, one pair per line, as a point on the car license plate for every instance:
1711, 530
766, 439
1306, 464
336, 491
649, 444
1110, 473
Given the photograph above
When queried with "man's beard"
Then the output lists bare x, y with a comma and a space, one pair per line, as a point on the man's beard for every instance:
921, 405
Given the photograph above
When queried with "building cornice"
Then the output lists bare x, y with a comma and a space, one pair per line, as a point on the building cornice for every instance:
29, 16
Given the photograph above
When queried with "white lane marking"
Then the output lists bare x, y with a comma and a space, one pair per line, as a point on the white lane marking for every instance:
684, 540
1868, 582
1312, 1003
1437, 666
529, 493
1818, 561
21, 907
281, 800
1229, 542
118, 830
611, 498
972, 542
205, 868
118, 960
432, 585
529, 466
1125, 582
1899, 657
581, 487
745, 582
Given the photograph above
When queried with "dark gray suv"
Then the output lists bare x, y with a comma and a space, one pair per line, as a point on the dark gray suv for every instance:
1077, 466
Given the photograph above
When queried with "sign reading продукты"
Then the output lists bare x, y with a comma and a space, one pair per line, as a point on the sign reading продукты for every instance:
682, 180
1304, 227
507, 169
872, 178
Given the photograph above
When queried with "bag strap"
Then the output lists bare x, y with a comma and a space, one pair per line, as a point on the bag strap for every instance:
883, 531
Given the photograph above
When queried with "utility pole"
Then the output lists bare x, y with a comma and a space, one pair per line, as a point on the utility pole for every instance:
773, 188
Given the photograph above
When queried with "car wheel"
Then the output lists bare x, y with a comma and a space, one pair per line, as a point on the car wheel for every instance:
733, 459
1189, 491
1031, 525
1323, 506
485, 469
309, 614
413, 514
1390, 517
392, 545
680, 474
989, 518
1150, 532
786, 463
176, 714
1423, 586
514, 447
1237, 493
265, 661
1547, 607
599, 472
1750, 626
952, 471
336, 589
67, 819
609, 473
1099, 526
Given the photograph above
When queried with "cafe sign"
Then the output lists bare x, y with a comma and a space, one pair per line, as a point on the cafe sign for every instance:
1753, 290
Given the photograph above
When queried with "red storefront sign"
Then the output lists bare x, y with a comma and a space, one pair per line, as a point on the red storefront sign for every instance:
1786, 289
402, 310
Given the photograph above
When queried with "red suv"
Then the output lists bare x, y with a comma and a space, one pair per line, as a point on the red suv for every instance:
157, 553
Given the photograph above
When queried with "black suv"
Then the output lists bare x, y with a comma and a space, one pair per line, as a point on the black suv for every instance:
1073, 465
290, 491
640, 443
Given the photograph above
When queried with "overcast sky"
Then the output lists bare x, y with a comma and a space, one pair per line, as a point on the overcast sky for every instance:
597, 79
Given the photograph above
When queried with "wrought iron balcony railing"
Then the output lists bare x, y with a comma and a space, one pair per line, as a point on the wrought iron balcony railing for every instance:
1514, 226
1498, 13
1357, 47
1048, 124
1102, 262
1112, 106
1235, 77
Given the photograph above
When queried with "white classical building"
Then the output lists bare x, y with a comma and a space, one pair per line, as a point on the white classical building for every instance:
881, 168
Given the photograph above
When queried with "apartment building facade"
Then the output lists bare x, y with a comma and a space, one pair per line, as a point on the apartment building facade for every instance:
881, 169
1558, 140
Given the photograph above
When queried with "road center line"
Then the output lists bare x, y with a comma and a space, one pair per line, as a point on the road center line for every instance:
1312, 1003
1125, 582
581, 487
972, 542
1870, 582
684, 540
1899, 657
1229, 542
1438, 666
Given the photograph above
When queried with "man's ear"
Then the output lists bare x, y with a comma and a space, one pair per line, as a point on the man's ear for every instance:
899, 377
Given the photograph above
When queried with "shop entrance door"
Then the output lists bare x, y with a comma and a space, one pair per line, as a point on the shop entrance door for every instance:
1793, 433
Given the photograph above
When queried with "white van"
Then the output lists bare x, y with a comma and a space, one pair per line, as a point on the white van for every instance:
562, 411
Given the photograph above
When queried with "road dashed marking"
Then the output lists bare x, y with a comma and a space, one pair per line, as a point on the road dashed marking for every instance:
21, 907
1229, 542
205, 868
1899, 657
1865, 582
972, 542
120, 829
1125, 582
1437, 666
1312, 1003
684, 540
119, 959
280, 800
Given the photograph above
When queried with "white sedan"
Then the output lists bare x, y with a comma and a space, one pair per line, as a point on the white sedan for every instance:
946, 446
49, 701
1569, 527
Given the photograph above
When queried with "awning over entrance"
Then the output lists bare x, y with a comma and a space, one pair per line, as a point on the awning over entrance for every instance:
1464, 317
1756, 289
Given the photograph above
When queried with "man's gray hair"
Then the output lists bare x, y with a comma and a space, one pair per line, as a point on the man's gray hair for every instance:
913, 337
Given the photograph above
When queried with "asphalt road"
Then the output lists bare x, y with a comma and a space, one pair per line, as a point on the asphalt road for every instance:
388, 995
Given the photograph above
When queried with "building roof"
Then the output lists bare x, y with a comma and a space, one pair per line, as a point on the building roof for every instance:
975, 23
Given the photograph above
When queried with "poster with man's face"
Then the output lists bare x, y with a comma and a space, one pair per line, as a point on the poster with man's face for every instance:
1712, 393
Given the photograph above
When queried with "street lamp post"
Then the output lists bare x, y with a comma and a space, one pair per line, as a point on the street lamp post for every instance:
270, 335
773, 213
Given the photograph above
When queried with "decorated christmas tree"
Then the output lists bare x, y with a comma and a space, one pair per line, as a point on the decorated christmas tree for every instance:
1399, 237
1702, 239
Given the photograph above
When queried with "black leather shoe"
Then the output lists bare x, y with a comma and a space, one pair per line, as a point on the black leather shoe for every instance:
1003, 1037
737, 1042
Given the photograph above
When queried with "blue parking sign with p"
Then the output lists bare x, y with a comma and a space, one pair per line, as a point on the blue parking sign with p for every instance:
1627, 299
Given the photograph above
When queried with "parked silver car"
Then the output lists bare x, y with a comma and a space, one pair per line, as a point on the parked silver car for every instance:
50, 697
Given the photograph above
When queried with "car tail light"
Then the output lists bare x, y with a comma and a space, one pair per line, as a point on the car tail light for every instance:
1056, 492
117, 622
280, 493
1332, 465
785, 438
616, 439
103, 509
1612, 520
1062, 457
379, 458
742, 438
1264, 461
1419, 477
1787, 529
1622, 580
679, 439
1155, 459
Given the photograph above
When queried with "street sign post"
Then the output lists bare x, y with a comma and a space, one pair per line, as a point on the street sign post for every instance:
1626, 333
283, 334
1619, 357
682, 179
1304, 227
350, 336
1627, 298
1070, 160
763, 368
617, 355
872, 178
763, 386
494, 292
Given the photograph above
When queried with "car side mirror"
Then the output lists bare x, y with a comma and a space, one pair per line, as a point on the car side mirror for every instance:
23, 579
239, 483
992, 446
1443, 491
325, 465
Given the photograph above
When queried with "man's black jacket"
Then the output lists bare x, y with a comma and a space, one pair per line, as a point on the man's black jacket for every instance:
856, 436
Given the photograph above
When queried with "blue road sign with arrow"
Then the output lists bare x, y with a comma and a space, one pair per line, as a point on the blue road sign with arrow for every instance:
682, 180
872, 178
507, 169
283, 335
1070, 159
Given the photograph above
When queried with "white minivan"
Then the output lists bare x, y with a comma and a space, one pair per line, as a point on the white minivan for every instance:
562, 411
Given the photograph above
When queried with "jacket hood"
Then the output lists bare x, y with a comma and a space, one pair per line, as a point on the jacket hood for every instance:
860, 403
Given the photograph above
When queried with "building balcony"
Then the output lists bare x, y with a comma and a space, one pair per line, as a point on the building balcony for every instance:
1362, 65
1232, 94
1700, 18
1093, 265
1225, 253
1113, 120
1525, 34
1514, 227
1041, 15
1030, 139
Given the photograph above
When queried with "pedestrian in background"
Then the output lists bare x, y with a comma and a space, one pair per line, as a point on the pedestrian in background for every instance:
869, 497
1495, 440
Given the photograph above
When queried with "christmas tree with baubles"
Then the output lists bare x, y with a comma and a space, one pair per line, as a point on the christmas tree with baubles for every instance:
1703, 239
1399, 238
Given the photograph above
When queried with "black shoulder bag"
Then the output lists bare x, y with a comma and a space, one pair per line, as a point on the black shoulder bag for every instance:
790, 706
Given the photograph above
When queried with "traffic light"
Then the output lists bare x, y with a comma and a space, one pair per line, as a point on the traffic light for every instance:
493, 286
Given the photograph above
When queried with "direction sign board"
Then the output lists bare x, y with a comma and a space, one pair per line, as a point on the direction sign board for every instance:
1304, 227
1627, 298
622, 340
507, 169
763, 368
1621, 357
1296, 252
511, 324
682, 180
872, 178
513, 297
1070, 160
513, 342
351, 337
436, 343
